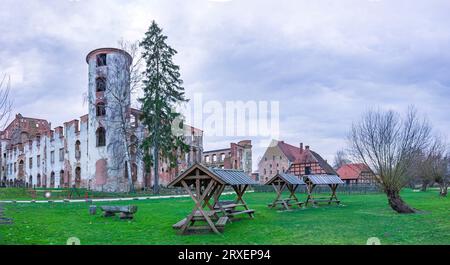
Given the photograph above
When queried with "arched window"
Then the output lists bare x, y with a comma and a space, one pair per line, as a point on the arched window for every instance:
101, 59
38, 180
100, 109
78, 177
100, 84
52, 179
61, 178
133, 120
77, 149
101, 136
133, 172
21, 169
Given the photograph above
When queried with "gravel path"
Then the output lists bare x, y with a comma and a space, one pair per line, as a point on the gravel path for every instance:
106, 200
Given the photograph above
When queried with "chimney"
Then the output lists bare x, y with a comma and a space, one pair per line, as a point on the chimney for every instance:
301, 147
307, 147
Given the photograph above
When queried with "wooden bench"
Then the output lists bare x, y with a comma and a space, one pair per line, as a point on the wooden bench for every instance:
286, 202
241, 212
126, 212
222, 221
179, 224
325, 200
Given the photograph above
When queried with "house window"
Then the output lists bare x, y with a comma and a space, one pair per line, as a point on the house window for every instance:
307, 170
30, 163
52, 157
214, 158
100, 84
101, 59
207, 159
222, 157
101, 136
61, 154
100, 109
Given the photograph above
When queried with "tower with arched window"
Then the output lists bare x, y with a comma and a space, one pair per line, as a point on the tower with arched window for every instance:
109, 104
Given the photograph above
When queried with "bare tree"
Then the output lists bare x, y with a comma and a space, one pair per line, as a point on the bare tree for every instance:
435, 163
5, 108
5, 101
388, 144
340, 159
432, 163
444, 179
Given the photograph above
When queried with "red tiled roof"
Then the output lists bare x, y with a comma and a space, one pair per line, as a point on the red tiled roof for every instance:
295, 155
352, 171
291, 152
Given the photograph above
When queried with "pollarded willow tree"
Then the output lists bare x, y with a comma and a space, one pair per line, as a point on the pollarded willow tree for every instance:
388, 143
162, 87
432, 163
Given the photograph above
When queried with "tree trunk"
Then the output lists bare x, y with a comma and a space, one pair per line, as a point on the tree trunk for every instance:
397, 204
424, 185
156, 169
443, 189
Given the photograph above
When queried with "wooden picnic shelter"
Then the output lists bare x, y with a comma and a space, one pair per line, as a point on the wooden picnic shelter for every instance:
282, 181
313, 181
205, 186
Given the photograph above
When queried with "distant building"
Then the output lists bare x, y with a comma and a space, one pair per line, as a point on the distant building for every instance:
356, 174
238, 156
281, 157
255, 176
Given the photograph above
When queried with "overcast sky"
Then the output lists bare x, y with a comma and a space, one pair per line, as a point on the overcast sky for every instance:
324, 61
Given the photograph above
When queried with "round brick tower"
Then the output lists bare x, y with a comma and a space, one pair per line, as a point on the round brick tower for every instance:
109, 103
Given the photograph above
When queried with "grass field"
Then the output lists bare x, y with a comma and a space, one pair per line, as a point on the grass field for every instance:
360, 217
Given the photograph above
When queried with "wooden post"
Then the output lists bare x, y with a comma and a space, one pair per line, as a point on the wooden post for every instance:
199, 199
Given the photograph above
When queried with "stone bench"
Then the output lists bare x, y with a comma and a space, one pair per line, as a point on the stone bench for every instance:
126, 212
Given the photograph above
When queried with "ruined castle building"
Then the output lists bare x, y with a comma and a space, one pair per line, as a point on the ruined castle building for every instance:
89, 152
238, 156
281, 157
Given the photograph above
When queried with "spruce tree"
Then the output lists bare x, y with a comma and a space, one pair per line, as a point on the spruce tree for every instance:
162, 91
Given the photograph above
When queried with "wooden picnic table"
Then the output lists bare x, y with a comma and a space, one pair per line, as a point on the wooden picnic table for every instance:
331, 181
280, 182
205, 185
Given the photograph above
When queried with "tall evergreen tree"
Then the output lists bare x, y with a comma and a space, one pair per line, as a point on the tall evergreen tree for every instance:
162, 92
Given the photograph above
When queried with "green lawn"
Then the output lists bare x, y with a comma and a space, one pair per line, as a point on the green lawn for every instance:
360, 217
